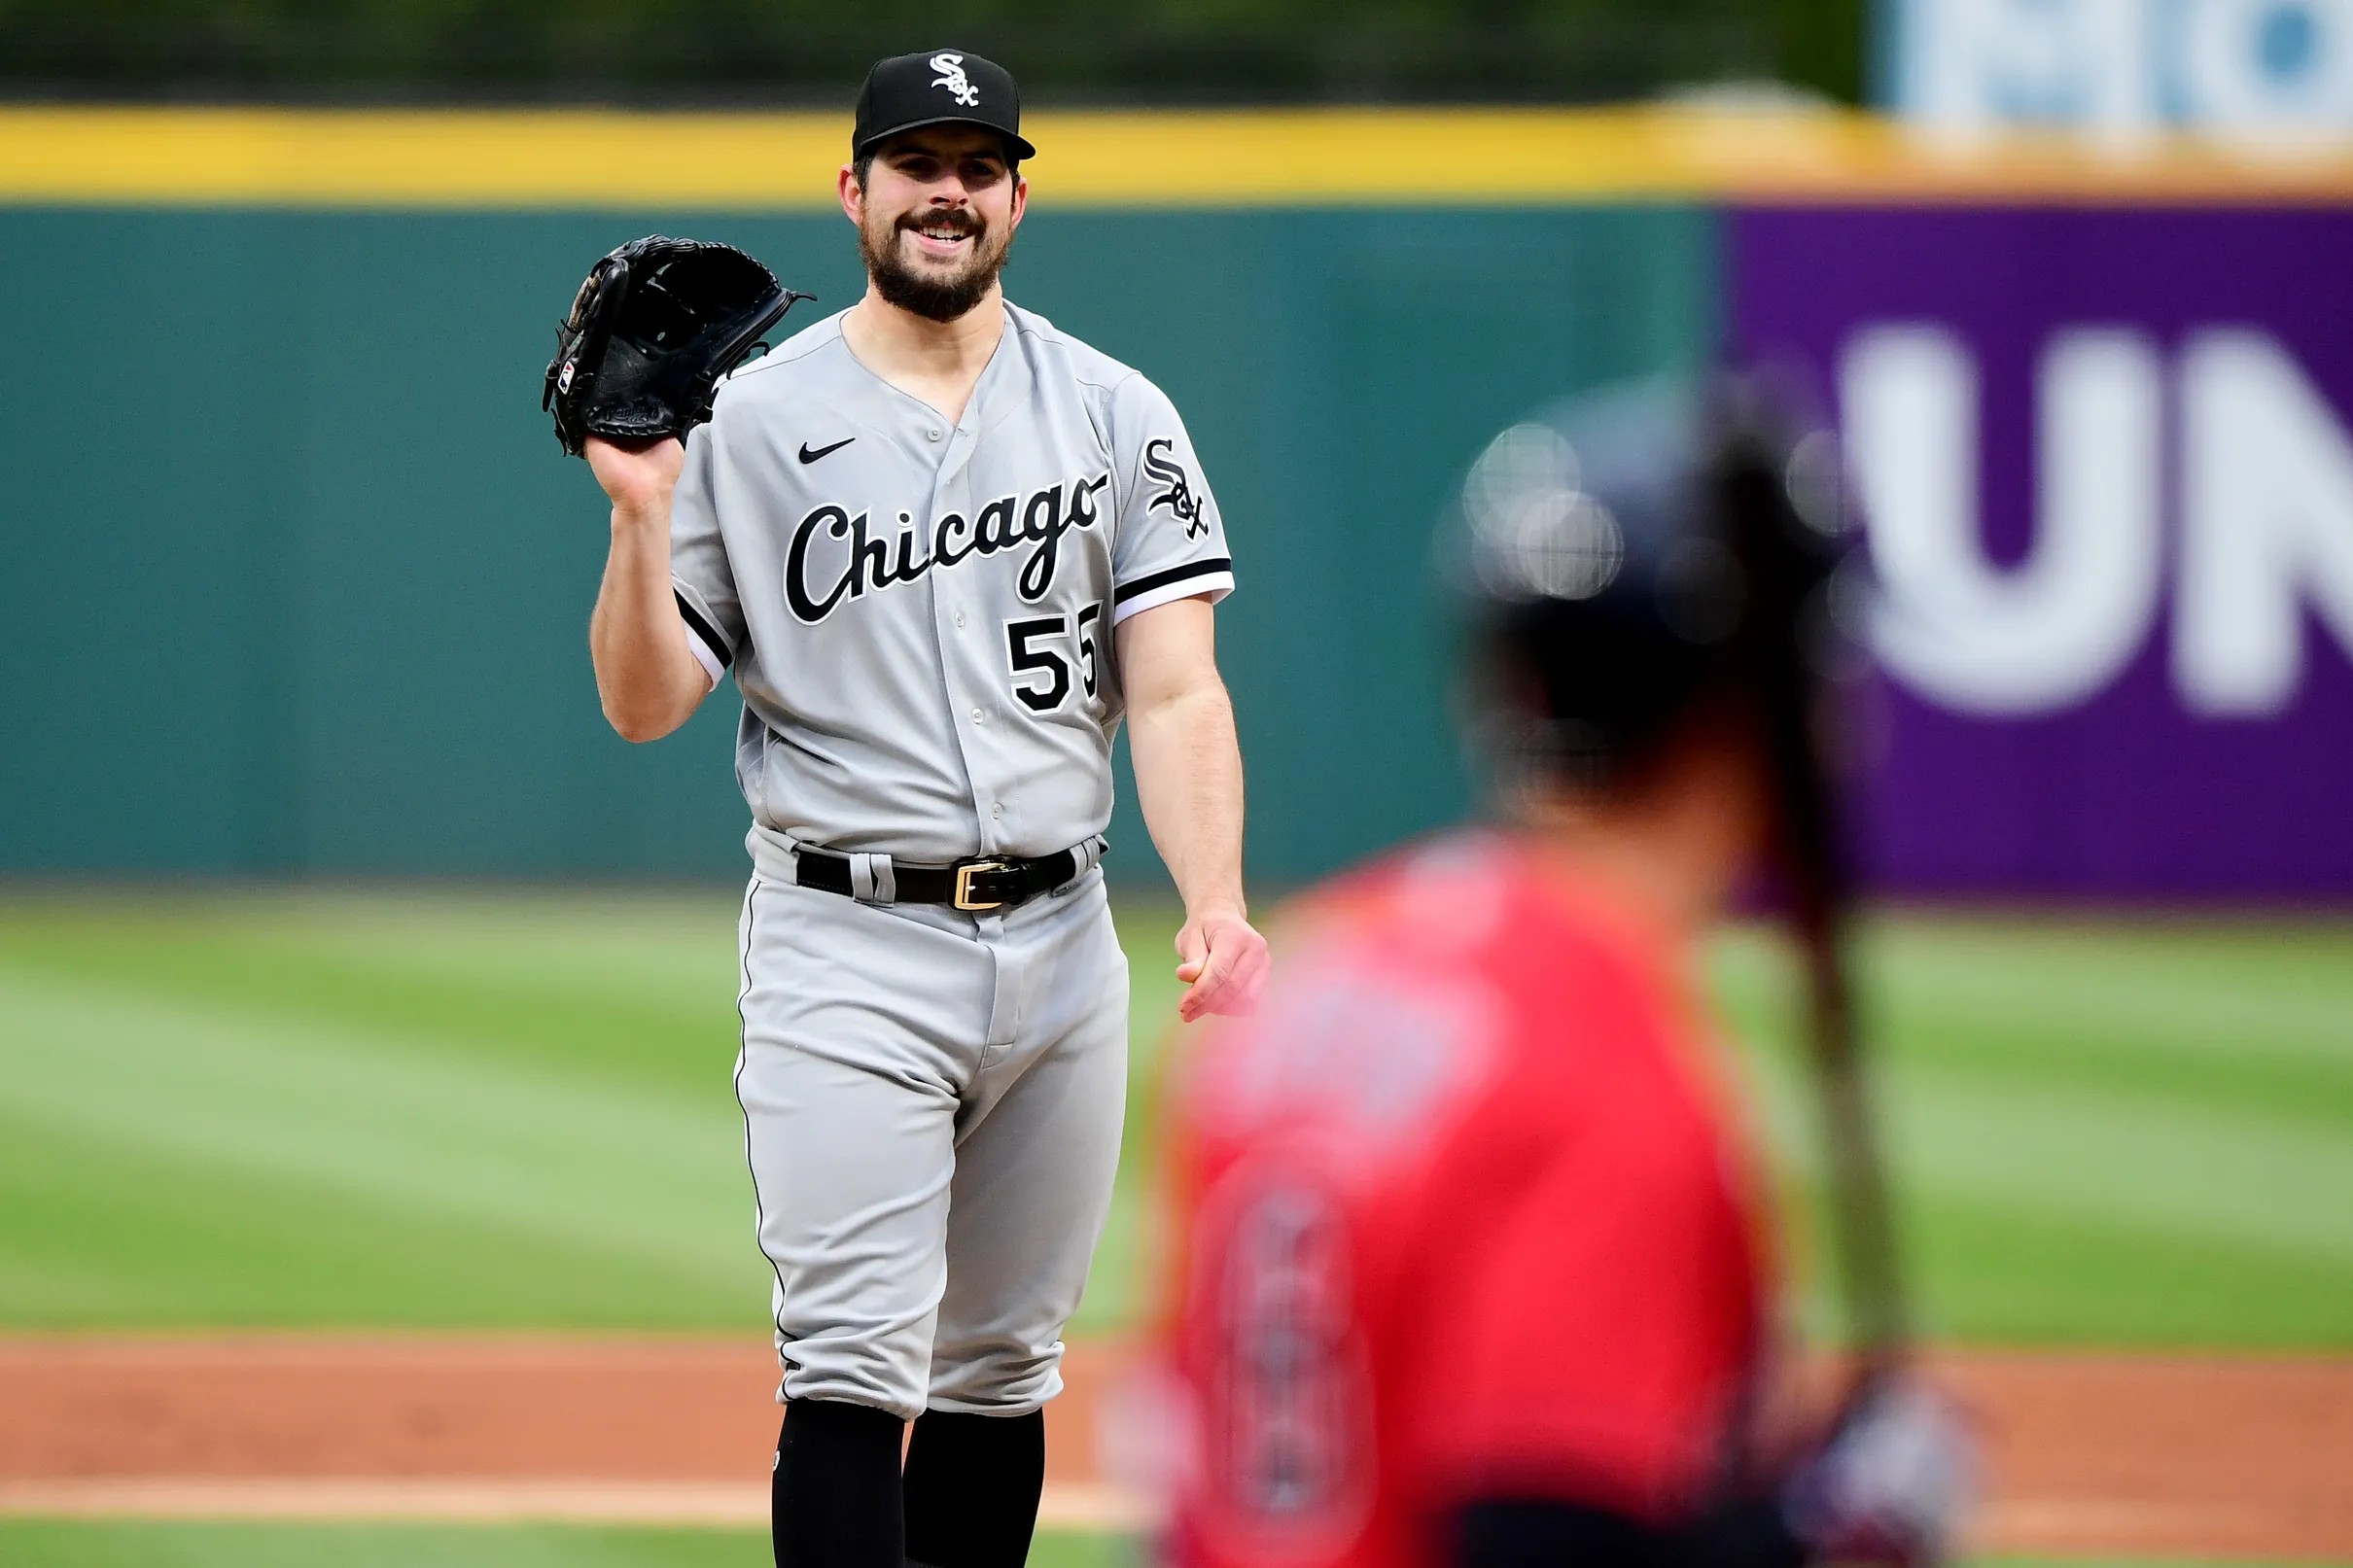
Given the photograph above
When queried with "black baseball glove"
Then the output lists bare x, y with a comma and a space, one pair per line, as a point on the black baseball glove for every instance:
653, 329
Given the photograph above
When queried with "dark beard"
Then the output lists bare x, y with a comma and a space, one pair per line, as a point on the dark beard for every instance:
931, 299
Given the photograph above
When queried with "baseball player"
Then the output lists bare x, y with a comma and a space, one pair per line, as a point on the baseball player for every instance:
1472, 1264
944, 547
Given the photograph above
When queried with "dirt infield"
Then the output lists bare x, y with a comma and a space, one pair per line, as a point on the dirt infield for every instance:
2109, 1454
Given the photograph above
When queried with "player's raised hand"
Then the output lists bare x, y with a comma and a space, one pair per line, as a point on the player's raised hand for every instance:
1223, 961
639, 480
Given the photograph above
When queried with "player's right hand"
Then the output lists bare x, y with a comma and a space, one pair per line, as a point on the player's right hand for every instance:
1223, 964
639, 480
1892, 1482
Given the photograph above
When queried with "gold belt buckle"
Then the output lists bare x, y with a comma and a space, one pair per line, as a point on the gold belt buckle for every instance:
964, 883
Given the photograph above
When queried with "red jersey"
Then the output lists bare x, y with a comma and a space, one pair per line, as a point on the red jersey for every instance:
1460, 1216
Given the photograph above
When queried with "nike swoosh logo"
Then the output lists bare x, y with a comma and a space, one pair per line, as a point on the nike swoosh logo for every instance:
807, 456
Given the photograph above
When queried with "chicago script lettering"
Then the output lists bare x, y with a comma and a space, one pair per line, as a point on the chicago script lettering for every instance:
816, 581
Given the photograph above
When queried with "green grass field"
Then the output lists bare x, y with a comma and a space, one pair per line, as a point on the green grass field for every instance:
496, 1110
419, 1545
362, 1546
493, 1109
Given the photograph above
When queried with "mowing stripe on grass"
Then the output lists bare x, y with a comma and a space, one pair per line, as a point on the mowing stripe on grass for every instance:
372, 1114
138, 1544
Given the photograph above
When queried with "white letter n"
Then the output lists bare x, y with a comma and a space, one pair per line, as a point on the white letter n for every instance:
2267, 524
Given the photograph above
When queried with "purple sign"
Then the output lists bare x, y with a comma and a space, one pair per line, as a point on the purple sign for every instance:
2106, 456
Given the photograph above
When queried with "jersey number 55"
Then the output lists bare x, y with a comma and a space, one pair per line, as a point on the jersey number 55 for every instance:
1042, 670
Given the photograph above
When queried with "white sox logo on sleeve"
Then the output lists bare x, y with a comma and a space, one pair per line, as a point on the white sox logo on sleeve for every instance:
951, 69
1179, 497
814, 588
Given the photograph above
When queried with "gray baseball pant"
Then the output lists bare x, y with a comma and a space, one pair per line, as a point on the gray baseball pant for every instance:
933, 1104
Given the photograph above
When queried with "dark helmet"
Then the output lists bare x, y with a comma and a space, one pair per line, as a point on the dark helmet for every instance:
1632, 554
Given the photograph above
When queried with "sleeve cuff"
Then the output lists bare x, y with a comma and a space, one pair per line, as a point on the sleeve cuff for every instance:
712, 668
1213, 578
710, 649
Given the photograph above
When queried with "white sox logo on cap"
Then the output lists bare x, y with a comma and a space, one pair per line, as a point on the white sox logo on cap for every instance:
940, 87
951, 69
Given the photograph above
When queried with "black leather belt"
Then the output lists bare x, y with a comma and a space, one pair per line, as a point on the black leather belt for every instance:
978, 883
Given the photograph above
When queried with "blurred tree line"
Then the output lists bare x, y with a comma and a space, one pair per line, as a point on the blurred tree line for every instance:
800, 53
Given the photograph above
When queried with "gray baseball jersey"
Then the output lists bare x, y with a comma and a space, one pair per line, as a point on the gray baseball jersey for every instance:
919, 614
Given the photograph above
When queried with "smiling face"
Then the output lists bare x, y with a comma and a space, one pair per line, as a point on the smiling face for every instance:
935, 216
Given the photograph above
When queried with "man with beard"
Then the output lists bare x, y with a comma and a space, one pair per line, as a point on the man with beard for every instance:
945, 549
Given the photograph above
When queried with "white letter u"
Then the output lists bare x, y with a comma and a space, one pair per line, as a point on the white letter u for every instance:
1948, 623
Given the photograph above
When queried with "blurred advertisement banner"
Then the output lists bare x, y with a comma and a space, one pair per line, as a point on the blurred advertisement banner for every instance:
2258, 73
2106, 462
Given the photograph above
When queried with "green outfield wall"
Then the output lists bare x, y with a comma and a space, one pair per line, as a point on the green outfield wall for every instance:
297, 580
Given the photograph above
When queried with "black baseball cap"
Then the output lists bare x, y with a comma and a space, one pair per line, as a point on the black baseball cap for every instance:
946, 87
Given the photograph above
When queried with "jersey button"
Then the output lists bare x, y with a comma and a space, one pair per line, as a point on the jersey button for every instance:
933, 434
975, 715
997, 809
960, 619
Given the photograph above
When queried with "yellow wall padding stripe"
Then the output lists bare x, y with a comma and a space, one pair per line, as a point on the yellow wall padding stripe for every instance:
511, 159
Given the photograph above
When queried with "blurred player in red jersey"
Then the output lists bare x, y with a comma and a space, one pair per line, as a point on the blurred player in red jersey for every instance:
1473, 1266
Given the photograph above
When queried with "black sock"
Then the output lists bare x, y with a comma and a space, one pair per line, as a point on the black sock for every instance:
834, 1500
972, 1485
